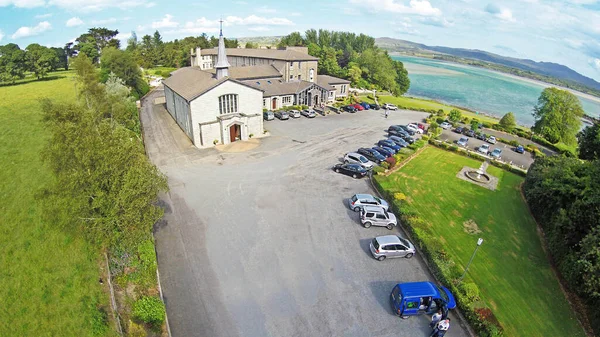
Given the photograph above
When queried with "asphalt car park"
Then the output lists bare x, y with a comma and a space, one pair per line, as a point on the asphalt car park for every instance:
263, 243
509, 154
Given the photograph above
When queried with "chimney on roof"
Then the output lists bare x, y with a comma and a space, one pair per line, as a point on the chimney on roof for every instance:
222, 65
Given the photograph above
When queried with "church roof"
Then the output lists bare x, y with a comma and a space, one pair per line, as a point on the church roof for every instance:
279, 88
252, 72
275, 54
326, 79
191, 82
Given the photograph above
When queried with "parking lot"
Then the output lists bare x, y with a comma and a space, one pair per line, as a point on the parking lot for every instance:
262, 243
523, 160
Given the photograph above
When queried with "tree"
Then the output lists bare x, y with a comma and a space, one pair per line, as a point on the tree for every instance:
40, 60
132, 42
96, 39
402, 77
455, 115
69, 52
508, 121
250, 45
558, 116
293, 39
124, 67
589, 142
474, 124
590, 262
434, 130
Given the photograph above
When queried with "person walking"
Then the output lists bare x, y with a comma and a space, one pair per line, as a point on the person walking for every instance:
441, 328
387, 112
435, 319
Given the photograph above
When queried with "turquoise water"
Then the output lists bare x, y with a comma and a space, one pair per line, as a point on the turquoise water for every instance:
478, 89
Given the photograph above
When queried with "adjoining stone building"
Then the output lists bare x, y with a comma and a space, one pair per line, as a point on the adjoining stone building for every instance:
220, 98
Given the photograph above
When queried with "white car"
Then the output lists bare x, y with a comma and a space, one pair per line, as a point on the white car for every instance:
355, 158
294, 113
463, 141
445, 125
414, 127
491, 140
485, 148
389, 106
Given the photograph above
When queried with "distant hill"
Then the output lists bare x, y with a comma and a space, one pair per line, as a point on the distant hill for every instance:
260, 40
553, 70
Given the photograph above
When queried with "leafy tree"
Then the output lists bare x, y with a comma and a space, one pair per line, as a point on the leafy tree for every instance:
250, 45
474, 124
293, 39
455, 115
590, 262
132, 42
508, 121
434, 130
69, 52
96, 39
402, 77
589, 142
558, 116
40, 60
12, 63
61, 59
124, 67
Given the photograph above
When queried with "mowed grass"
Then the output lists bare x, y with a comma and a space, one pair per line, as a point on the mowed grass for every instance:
48, 278
510, 268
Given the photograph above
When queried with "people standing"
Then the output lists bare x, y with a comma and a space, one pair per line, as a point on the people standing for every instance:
387, 112
441, 328
435, 319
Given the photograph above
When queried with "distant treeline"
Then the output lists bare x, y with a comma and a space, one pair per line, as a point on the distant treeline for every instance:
15, 62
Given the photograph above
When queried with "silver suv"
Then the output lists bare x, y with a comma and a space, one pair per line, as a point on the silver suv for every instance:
294, 113
358, 201
356, 158
391, 246
377, 216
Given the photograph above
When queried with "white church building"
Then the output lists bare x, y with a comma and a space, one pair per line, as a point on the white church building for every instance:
216, 103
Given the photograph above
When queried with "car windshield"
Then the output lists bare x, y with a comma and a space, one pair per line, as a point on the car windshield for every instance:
354, 198
443, 294
375, 243
363, 159
404, 242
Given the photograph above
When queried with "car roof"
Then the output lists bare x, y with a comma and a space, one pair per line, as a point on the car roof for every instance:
418, 289
388, 239
364, 196
373, 209
353, 165
354, 154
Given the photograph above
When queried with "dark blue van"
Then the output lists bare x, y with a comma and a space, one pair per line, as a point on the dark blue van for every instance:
417, 298
365, 105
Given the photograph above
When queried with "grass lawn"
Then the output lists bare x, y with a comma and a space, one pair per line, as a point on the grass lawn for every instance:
48, 278
510, 269
160, 71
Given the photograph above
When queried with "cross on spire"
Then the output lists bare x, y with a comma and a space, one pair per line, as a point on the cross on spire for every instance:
221, 29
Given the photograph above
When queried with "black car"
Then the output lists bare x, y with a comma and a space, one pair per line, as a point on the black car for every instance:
459, 129
398, 133
375, 106
481, 136
407, 130
400, 129
353, 170
399, 141
470, 133
371, 154
350, 108
408, 139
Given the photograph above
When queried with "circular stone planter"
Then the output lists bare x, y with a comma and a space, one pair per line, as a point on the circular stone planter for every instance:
478, 176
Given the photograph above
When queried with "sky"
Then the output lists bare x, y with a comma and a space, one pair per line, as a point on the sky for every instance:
561, 31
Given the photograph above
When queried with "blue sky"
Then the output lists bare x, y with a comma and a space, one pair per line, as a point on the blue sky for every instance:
566, 32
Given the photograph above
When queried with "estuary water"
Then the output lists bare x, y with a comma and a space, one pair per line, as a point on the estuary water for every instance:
479, 89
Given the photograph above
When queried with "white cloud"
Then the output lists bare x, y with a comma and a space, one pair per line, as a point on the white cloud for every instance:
150, 4
32, 31
123, 36
104, 21
43, 16
22, 3
258, 20
166, 22
417, 7
350, 11
74, 22
405, 26
266, 9
595, 63
87, 6
501, 13
201, 25
259, 29
1, 35
436, 21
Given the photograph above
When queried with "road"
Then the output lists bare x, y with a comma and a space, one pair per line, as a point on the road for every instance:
261, 243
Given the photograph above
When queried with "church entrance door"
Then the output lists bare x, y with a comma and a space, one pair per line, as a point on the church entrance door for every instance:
235, 133
316, 100
274, 105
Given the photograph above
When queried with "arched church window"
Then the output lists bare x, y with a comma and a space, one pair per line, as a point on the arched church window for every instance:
228, 104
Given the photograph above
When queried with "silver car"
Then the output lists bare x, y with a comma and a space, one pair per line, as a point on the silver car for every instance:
462, 141
294, 113
390, 246
358, 201
377, 216
484, 148
356, 158
309, 113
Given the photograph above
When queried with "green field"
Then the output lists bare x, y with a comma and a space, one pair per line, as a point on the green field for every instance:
510, 269
160, 71
48, 278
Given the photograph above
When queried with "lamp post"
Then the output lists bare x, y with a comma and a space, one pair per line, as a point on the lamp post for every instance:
479, 242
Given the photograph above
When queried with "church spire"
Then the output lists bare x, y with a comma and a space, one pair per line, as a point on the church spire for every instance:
222, 65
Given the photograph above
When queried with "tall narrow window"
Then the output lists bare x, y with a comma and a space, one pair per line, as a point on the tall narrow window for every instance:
228, 104
312, 75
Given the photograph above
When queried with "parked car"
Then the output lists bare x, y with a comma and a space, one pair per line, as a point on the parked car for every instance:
411, 132
375, 106
491, 140
470, 133
408, 139
358, 107
371, 154
377, 216
294, 113
350, 108
358, 201
398, 132
353, 170
484, 148
365, 105
391, 246
384, 150
496, 153
356, 158
414, 127
389, 106
481, 136
462, 141
459, 129
409, 298
282, 115
421, 126
445, 125
390, 144
268, 115
520, 149
309, 113
399, 141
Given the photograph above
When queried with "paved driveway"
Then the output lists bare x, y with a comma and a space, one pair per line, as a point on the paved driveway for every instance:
261, 243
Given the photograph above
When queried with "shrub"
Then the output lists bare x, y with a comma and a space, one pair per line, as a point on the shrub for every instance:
440, 120
487, 125
425, 138
470, 292
385, 165
378, 169
391, 161
251, 135
215, 142
454, 148
441, 113
149, 310
399, 196
136, 330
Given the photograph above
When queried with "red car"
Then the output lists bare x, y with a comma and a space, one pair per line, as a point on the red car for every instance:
358, 107
421, 126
